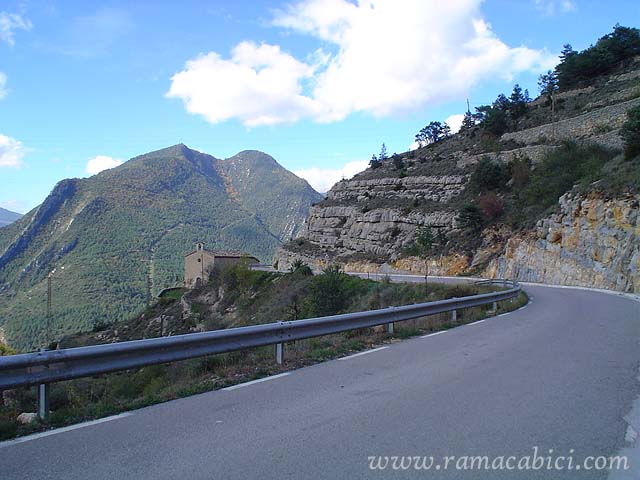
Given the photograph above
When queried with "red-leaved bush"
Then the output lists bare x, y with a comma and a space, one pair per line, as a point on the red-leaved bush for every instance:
491, 205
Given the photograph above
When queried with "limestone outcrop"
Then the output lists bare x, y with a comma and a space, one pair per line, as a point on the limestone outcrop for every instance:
591, 241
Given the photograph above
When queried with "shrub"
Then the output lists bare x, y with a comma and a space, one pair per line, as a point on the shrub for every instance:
561, 169
630, 132
520, 171
5, 350
8, 429
489, 175
470, 217
301, 268
398, 162
327, 293
492, 205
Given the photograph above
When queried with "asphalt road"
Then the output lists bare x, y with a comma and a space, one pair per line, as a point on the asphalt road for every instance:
561, 374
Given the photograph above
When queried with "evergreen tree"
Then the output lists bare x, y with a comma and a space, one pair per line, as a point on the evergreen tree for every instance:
383, 153
467, 122
548, 83
433, 133
518, 101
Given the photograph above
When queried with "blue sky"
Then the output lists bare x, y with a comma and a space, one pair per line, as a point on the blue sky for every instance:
318, 84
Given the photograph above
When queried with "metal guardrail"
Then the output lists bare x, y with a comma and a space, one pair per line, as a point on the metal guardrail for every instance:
493, 281
51, 366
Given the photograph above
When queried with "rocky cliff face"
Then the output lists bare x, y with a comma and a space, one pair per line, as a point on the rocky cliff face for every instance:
591, 241
369, 223
434, 188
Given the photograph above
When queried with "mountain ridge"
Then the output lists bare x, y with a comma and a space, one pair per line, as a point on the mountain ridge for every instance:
117, 238
7, 217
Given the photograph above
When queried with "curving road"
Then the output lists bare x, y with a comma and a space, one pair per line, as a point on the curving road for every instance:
561, 374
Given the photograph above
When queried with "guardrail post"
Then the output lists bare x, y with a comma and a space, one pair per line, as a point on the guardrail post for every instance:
494, 306
390, 328
43, 398
43, 401
454, 316
279, 353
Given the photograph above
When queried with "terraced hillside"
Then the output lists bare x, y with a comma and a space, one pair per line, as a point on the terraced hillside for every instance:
546, 195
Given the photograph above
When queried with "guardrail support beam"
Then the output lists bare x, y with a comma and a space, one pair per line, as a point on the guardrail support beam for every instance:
279, 353
454, 316
494, 306
390, 328
43, 401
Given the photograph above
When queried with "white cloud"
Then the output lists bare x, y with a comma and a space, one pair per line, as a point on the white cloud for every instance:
101, 162
11, 152
322, 179
259, 84
3, 85
9, 23
379, 57
550, 7
455, 122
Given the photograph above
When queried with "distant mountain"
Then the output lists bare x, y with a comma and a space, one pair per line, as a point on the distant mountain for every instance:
116, 239
7, 217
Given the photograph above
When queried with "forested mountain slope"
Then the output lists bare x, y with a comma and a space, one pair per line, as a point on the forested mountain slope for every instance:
117, 238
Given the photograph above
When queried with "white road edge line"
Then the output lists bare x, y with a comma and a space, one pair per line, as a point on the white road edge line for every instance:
252, 382
362, 353
475, 323
36, 436
432, 334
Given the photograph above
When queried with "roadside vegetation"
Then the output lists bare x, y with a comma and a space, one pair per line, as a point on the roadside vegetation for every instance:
235, 297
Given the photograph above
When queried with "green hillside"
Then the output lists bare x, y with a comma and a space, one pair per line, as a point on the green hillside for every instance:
118, 238
259, 183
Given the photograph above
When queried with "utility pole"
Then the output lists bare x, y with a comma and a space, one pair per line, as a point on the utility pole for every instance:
48, 326
553, 117
468, 108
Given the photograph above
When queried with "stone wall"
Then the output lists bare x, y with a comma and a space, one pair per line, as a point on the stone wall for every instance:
434, 188
535, 153
591, 124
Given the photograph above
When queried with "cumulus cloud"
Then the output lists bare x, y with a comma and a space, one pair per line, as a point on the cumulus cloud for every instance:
455, 122
9, 23
378, 57
101, 162
11, 152
259, 84
322, 179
